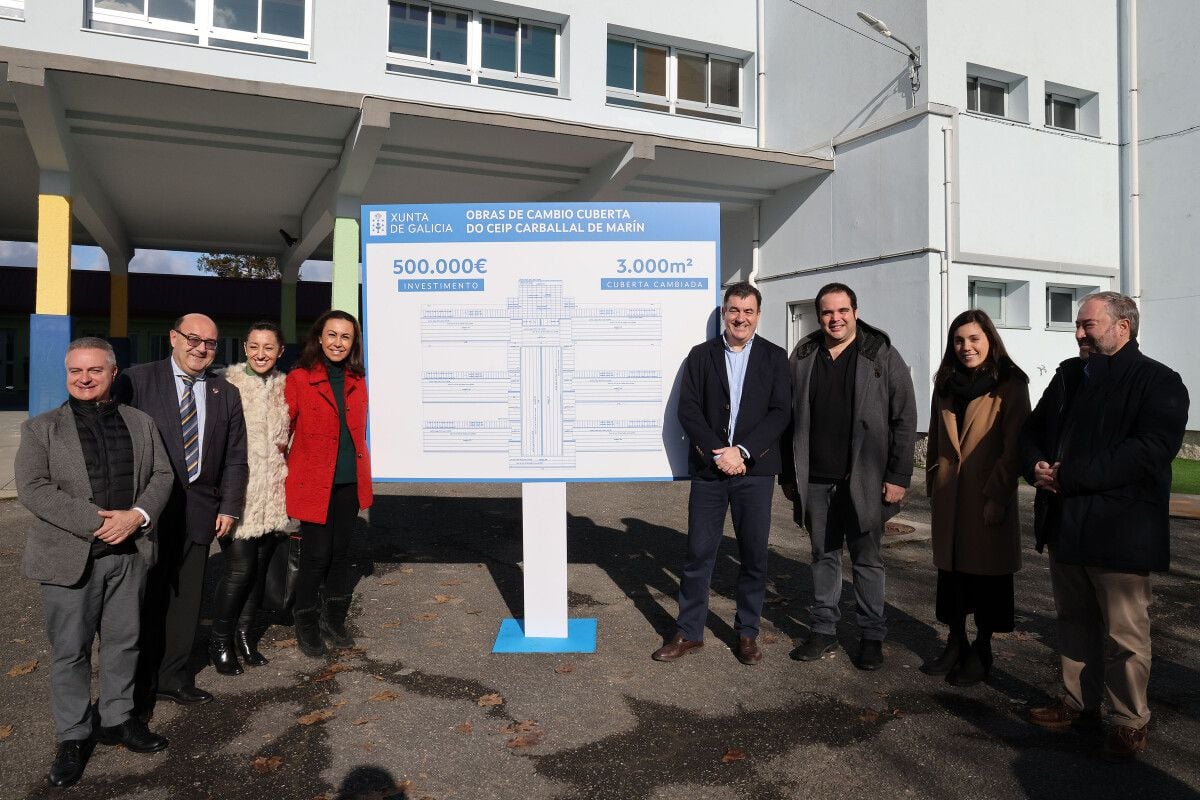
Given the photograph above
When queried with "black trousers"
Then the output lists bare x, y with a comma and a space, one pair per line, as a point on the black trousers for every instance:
325, 550
170, 614
241, 588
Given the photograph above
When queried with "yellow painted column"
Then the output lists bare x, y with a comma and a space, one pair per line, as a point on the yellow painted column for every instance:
50, 324
54, 255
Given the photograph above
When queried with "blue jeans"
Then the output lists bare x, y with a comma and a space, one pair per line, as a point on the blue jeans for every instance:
832, 522
749, 499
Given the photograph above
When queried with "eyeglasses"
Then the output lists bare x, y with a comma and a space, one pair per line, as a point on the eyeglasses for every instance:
194, 341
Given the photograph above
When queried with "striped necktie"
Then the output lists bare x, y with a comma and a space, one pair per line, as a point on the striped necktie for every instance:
191, 429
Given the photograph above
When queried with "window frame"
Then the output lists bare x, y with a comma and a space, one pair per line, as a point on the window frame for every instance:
196, 32
1051, 99
974, 93
1001, 319
1062, 325
671, 102
473, 71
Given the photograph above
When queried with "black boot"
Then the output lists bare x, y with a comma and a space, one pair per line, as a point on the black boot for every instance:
975, 667
333, 622
246, 644
220, 649
956, 649
308, 633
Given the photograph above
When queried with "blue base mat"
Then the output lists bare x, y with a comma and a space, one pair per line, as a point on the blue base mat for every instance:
581, 638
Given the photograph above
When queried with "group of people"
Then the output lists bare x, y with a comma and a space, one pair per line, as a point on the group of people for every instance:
133, 477
836, 422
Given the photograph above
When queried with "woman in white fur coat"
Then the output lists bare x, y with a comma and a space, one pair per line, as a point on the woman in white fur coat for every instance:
248, 551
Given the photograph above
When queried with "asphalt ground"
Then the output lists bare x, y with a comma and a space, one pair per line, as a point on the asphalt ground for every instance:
423, 709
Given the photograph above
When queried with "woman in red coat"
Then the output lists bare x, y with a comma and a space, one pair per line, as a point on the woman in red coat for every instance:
329, 475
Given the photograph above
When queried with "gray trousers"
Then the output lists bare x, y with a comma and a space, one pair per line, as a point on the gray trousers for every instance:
107, 600
832, 523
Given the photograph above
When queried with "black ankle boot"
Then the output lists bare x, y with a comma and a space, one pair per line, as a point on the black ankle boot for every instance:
308, 633
333, 622
975, 667
246, 644
222, 654
955, 650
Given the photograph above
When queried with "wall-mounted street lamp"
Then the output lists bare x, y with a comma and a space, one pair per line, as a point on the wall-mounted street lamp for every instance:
914, 55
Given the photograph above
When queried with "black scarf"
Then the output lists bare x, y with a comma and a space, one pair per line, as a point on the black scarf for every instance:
964, 386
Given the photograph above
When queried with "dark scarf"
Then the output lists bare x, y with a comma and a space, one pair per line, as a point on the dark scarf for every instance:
964, 386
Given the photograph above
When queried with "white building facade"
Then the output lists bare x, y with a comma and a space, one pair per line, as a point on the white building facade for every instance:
210, 124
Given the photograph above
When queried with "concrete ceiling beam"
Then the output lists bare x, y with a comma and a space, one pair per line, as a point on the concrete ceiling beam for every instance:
608, 179
63, 168
339, 192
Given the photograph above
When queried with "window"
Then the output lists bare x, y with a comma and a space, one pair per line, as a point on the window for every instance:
1061, 112
12, 9
986, 97
271, 27
988, 297
470, 46
1060, 307
657, 77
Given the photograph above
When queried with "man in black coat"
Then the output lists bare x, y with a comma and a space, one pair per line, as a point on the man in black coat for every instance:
199, 415
1098, 447
734, 403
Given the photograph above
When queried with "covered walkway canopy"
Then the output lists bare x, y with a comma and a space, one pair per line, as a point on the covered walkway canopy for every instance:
155, 158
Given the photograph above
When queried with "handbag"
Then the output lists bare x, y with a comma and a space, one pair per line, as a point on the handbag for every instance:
280, 589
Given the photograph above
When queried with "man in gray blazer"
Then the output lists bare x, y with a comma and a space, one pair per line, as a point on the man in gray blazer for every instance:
853, 426
95, 475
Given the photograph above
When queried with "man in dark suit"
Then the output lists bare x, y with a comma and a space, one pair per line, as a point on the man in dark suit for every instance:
95, 476
200, 417
734, 404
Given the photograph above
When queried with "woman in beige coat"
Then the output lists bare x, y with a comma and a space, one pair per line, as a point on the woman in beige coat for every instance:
980, 400
248, 551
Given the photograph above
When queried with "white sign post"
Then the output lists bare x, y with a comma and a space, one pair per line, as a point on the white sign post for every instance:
536, 343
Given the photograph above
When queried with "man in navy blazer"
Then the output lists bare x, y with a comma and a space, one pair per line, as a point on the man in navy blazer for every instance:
734, 404
206, 498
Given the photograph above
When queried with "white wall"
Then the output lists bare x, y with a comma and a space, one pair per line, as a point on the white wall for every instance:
1168, 62
349, 54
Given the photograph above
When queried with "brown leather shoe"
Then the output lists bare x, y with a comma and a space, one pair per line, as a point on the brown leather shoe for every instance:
1059, 716
748, 651
1123, 743
676, 648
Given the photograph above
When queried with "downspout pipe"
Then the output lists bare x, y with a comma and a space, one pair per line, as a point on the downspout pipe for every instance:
760, 123
947, 220
1131, 272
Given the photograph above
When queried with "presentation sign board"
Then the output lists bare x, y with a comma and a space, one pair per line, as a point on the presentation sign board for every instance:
533, 341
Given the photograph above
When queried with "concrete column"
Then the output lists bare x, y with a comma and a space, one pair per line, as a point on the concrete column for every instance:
287, 310
118, 308
50, 324
345, 265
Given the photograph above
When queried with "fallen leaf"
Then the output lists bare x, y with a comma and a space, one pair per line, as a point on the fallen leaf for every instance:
283, 644
24, 668
378, 677
442, 598
489, 700
5, 732
770, 638
407, 570
365, 720
428, 616
333, 669
20, 641
389, 582
267, 764
406, 786
520, 726
338, 704
352, 652
897, 712
391, 625
454, 582
869, 715
384, 696
462, 727
366, 746
733, 754
565, 669
313, 717
777, 599
524, 740
474, 610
